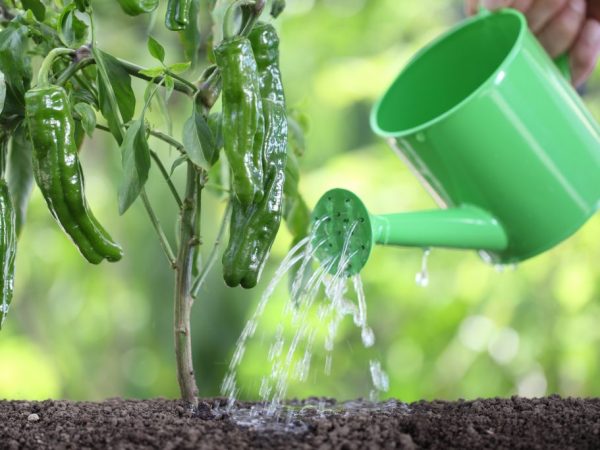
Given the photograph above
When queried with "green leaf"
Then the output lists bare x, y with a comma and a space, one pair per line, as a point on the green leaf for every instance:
19, 173
88, 117
82, 95
155, 49
121, 84
292, 175
135, 155
179, 161
114, 93
190, 37
169, 85
179, 68
72, 30
153, 72
15, 64
296, 136
199, 141
215, 122
297, 217
36, 7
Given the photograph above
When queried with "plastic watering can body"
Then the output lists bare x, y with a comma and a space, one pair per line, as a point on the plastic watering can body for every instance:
497, 135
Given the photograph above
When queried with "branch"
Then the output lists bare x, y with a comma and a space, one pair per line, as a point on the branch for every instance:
167, 178
201, 278
73, 69
157, 134
164, 242
180, 84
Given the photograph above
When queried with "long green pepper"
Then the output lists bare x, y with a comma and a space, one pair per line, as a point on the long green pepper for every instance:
8, 240
58, 174
243, 123
136, 7
253, 229
178, 14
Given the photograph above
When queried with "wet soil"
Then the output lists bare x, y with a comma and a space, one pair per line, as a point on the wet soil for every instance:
515, 423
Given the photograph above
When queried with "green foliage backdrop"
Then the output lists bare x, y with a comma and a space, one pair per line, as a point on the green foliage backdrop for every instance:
83, 332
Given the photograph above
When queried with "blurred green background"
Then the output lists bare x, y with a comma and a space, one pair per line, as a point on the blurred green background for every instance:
78, 331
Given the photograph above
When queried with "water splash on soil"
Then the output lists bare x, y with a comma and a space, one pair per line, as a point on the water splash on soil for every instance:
290, 358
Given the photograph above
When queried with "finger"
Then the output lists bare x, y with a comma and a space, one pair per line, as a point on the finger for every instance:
493, 5
542, 11
560, 33
584, 53
522, 5
471, 6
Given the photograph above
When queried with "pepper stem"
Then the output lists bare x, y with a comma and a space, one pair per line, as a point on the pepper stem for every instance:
42, 79
229, 28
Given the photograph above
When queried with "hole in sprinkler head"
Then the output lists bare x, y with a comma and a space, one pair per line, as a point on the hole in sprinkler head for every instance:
330, 245
329, 197
361, 220
328, 219
346, 220
347, 200
363, 247
338, 214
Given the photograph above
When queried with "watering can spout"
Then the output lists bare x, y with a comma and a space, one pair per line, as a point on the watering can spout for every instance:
465, 227
344, 232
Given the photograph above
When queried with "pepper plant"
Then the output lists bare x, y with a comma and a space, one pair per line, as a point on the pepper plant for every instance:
251, 144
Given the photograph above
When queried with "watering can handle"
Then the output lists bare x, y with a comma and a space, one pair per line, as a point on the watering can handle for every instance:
562, 61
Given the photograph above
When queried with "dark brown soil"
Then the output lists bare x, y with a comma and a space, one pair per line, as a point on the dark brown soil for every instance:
548, 423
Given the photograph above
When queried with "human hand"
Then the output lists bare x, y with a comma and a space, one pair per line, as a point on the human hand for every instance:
561, 26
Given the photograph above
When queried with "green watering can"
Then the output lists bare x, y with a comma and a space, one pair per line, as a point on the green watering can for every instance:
497, 135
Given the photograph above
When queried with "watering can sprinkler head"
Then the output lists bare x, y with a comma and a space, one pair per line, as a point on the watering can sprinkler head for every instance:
342, 232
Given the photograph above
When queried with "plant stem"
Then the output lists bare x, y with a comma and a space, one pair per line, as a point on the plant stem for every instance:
188, 240
181, 84
164, 242
46, 66
167, 178
73, 69
157, 134
199, 281
169, 140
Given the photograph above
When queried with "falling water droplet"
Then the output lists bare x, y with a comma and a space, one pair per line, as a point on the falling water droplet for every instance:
379, 377
328, 361
422, 277
368, 337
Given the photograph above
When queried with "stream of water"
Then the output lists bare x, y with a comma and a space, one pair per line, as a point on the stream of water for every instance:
314, 293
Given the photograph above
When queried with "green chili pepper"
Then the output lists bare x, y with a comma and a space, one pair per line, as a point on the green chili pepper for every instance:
8, 248
58, 172
243, 123
277, 8
178, 14
136, 7
82, 5
254, 229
